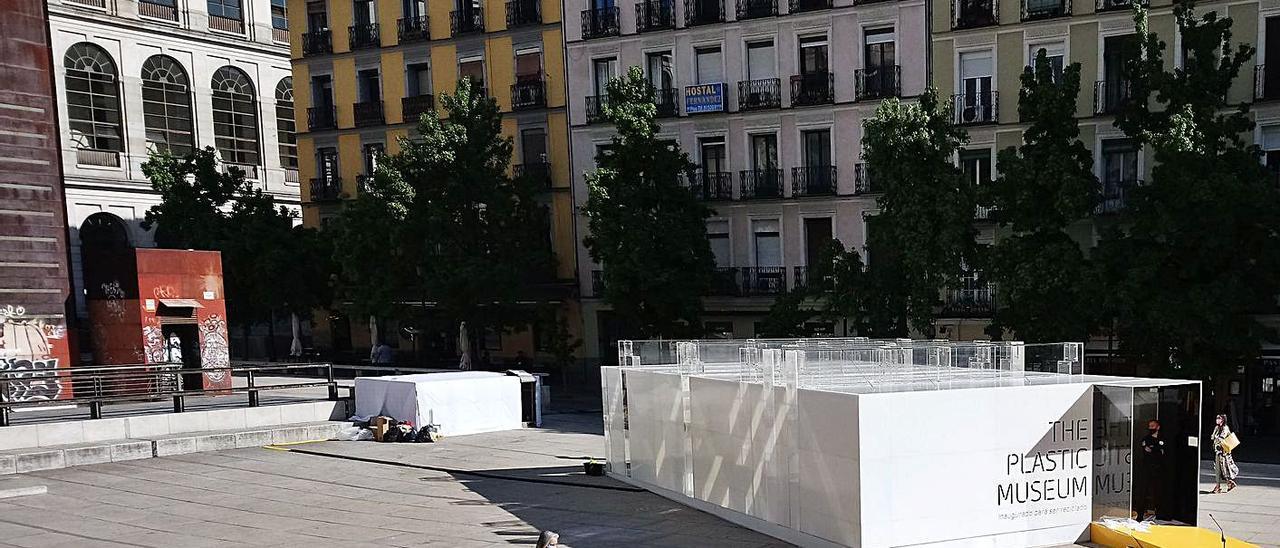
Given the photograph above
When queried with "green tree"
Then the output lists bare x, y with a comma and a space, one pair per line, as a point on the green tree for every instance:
648, 230
1195, 258
442, 223
1046, 184
923, 236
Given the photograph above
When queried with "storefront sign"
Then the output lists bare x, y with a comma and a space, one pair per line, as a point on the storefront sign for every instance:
704, 98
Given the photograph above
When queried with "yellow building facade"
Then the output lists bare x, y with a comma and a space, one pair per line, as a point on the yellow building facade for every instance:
364, 70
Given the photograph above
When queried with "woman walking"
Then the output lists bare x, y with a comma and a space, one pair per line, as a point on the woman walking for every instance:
1224, 466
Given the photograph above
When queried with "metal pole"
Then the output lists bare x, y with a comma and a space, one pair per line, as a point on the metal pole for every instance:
333, 385
253, 394
4, 399
95, 407
179, 401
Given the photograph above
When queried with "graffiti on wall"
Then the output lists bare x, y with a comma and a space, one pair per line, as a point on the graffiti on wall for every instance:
214, 353
26, 356
114, 295
153, 342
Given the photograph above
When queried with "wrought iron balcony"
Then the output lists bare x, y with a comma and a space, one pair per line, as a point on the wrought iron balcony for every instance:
752, 9
1115, 196
529, 93
976, 108
815, 88
226, 24
877, 83
763, 280
466, 21
703, 12
979, 302
862, 181
600, 22
522, 13
368, 113
414, 29
324, 117
413, 107
667, 101
1108, 97
364, 36
326, 189
800, 279
538, 172
798, 6
96, 157
595, 108
761, 183
1033, 10
759, 94
655, 15
813, 181
317, 42
1108, 5
159, 10
713, 185
968, 14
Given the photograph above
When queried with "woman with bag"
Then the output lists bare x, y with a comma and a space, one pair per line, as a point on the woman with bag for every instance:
1224, 466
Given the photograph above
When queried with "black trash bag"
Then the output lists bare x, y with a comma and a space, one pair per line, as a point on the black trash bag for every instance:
409, 436
427, 434
392, 435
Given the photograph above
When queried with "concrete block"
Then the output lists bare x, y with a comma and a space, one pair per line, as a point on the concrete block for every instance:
105, 429
258, 417
254, 438
49, 459
8, 465
296, 413
60, 433
87, 454
215, 442
132, 450
184, 423
148, 426
325, 431
291, 434
19, 437
175, 446
225, 419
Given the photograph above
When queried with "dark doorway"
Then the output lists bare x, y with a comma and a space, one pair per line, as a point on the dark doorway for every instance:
189, 347
1271, 75
817, 234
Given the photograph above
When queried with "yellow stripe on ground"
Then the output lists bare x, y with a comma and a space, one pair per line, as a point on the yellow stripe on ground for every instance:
282, 445
1161, 536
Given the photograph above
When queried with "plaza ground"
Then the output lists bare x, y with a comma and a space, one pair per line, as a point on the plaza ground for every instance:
499, 489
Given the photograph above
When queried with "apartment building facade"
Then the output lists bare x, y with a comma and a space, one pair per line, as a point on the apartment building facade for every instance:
768, 98
367, 70
134, 76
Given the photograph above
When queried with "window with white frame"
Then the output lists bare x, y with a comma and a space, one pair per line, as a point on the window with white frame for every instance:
235, 116
166, 105
718, 235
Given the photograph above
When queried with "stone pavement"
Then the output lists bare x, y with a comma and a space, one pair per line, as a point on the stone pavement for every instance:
1249, 512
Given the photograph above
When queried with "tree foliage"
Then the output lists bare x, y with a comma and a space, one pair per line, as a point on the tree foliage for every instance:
647, 229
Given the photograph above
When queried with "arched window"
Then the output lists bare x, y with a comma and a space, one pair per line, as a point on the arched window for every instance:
166, 105
285, 125
93, 98
235, 117
102, 231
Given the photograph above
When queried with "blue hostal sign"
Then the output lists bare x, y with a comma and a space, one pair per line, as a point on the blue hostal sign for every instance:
704, 98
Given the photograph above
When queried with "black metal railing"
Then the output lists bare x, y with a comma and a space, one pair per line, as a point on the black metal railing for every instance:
1108, 97
863, 182
413, 107
364, 36
539, 172
761, 183
95, 386
751, 9
524, 12
595, 108
667, 102
814, 88
763, 280
810, 5
1033, 10
759, 94
317, 42
813, 181
1108, 5
979, 302
725, 282
877, 83
600, 22
800, 279
466, 21
414, 29
703, 12
976, 108
324, 117
655, 15
982, 212
713, 185
968, 14
1115, 196
529, 93
326, 189
158, 10
368, 113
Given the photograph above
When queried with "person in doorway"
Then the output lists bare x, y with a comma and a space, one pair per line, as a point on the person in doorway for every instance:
380, 354
173, 348
1224, 465
1153, 465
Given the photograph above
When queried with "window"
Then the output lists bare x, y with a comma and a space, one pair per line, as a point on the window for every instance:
602, 71
817, 236
413, 8
762, 61
327, 163
976, 165
529, 66
363, 12
279, 15
975, 87
285, 124
229, 9
718, 235
370, 154
166, 105
817, 147
473, 69
235, 116
658, 69
1056, 54
879, 60
93, 98
317, 17
813, 55
768, 242
1269, 384
368, 86
710, 65
417, 79
533, 146
1271, 149
713, 155
764, 151
322, 91
1117, 50
1119, 172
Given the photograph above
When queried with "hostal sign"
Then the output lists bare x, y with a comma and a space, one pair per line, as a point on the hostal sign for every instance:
704, 98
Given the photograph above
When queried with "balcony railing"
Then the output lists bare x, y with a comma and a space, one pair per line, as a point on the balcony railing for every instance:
1115, 196
414, 29
368, 113
800, 278
1108, 97
159, 10
595, 108
226, 24
1033, 10
813, 181
667, 101
280, 35
703, 12
877, 83
250, 171
759, 94
752, 9
466, 21
713, 185
326, 189
413, 107
317, 42
968, 14
763, 280
363, 36
529, 93
324, 117
94, 157
522, 13
539, 172
862, 181
761, 183
291, 175
1108, 5
94, 3
982, 213
815, 88
809, 5
655, 15
600, 22
976, 108
977, 302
